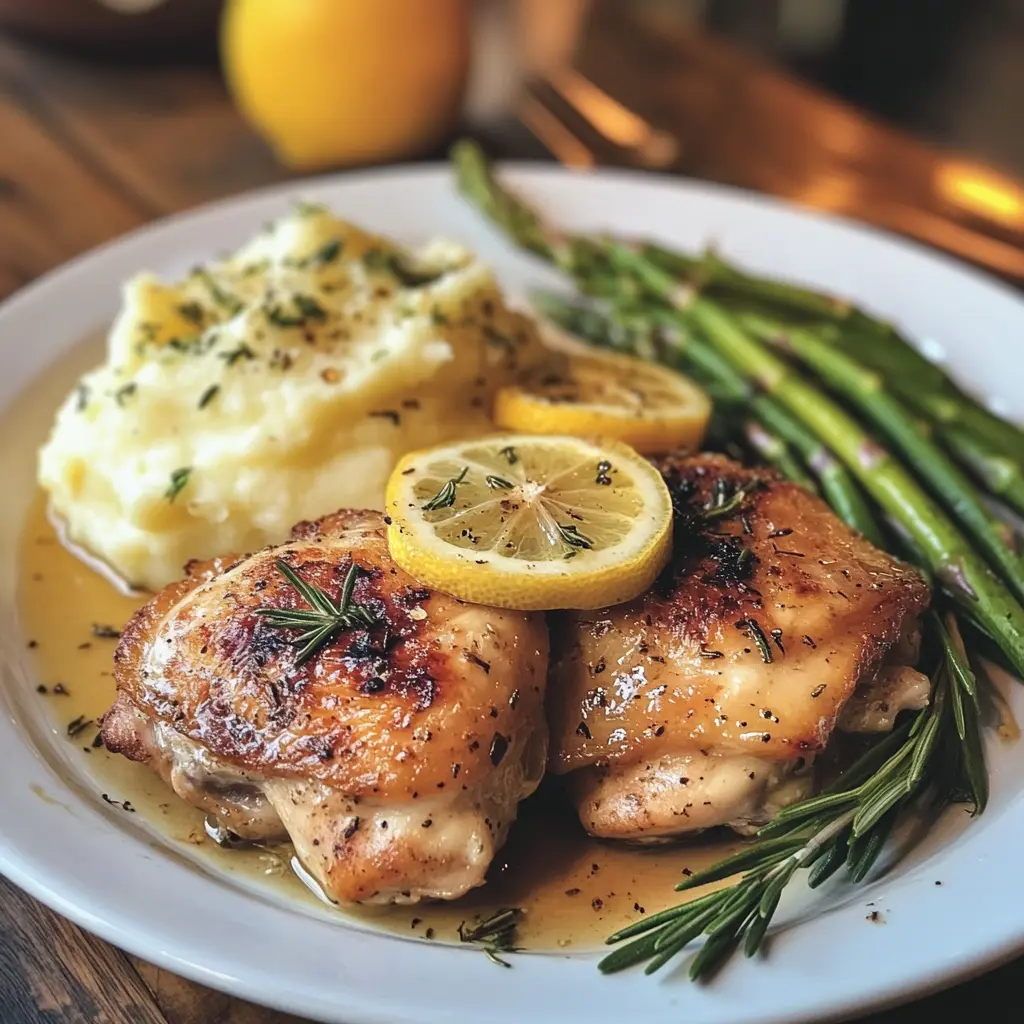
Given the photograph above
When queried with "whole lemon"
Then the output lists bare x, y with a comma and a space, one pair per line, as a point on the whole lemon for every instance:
332, 82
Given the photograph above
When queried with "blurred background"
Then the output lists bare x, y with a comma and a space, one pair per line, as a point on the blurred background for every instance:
903, 114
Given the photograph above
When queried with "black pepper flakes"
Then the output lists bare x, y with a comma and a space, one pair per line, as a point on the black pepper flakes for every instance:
78, 725
478, 661
499, 747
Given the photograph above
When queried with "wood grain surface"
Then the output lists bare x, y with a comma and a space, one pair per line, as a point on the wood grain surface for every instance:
87, 153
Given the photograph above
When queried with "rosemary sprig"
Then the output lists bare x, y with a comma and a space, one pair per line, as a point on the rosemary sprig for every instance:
445, 497
496, 934
324, 619
938, 751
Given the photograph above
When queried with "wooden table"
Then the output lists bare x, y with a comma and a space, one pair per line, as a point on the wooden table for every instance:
87, 153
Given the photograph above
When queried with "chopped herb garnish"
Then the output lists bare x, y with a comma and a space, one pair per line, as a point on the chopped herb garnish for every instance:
82, 398
193, 313
208, 396
572, 536
222, 298
399, 267
307, 209
232, 356
324, 619
437, 317
179, 478
309, 307
496, 934
105, 632
375, 259
499, 482
327, 253
510, 454
726, 499
445, 497
125, 391
194, 344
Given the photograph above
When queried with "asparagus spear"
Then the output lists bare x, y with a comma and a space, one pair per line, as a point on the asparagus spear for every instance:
475, 182
925, 387
999, 475
710, 272
918, 381
776, 453
866, 390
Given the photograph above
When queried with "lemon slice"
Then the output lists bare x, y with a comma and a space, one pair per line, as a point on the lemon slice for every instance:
652, 408
528, 522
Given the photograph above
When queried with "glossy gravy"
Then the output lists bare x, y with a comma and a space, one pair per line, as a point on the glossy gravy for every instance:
574, 890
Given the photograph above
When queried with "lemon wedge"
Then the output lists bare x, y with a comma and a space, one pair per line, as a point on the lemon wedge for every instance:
529, 522
652, 408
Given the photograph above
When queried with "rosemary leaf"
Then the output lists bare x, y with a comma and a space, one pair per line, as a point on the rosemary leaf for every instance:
755, 933
572, 536
627, 956
751, 857
864, 851
714, 953
445, 497
830, 862
662, 917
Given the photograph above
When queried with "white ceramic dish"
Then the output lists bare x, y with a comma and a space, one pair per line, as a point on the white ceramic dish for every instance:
113, 876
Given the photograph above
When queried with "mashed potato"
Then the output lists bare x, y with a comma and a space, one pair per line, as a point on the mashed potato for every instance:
275, 386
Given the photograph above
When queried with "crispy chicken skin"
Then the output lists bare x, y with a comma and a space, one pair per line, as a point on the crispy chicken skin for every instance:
394, 759
698, 703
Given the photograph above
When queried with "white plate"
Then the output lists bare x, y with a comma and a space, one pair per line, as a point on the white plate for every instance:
112, 876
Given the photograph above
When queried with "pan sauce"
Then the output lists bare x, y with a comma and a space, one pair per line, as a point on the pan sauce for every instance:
574, 890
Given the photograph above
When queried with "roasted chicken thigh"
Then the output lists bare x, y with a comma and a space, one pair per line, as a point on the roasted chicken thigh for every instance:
394, 757
703, 701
